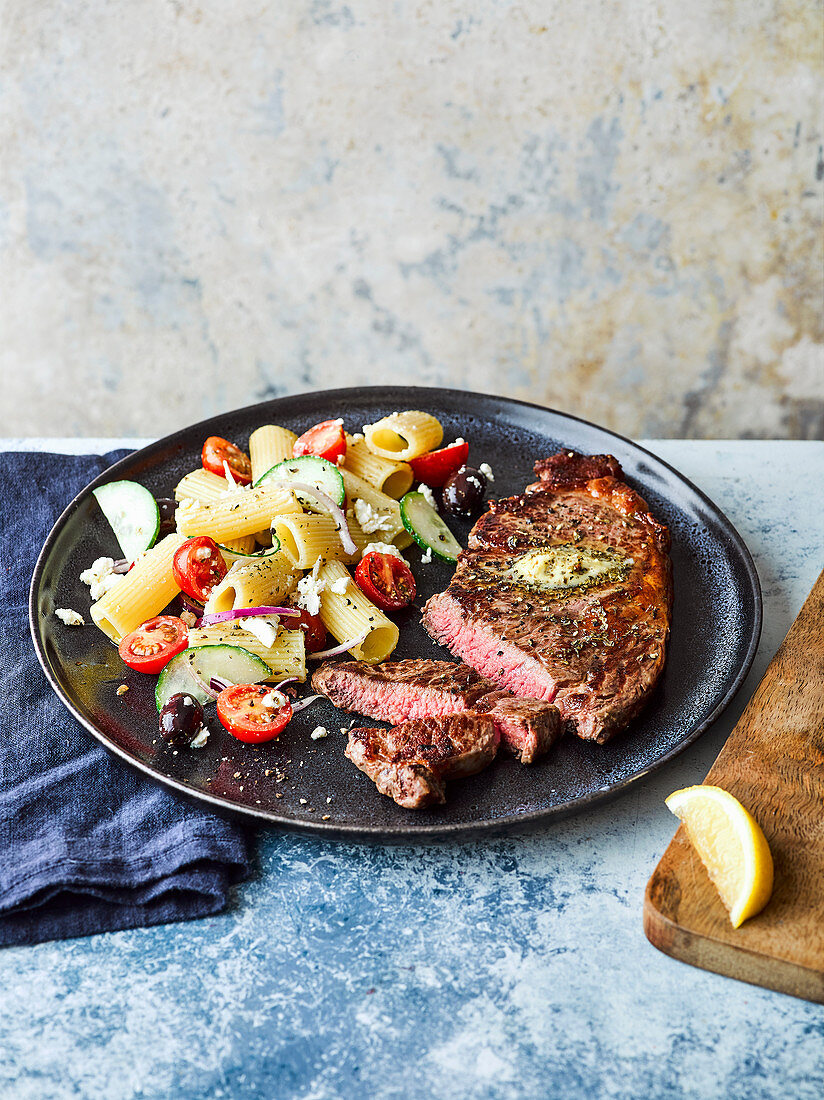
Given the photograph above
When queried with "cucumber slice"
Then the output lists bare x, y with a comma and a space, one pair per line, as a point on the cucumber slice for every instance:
229, 662
312, 471
133, 514
230, 556
427, 528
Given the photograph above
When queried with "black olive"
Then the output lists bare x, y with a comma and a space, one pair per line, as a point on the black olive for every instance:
180, 719
166, 507
464, 492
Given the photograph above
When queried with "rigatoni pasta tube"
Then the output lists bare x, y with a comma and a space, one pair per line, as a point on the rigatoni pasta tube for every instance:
404, 435
143, 593
268, 446
348, 614
240, 513
390, 477
201, 485
287, 657
262, 583
385, 515
244, 545
307, 537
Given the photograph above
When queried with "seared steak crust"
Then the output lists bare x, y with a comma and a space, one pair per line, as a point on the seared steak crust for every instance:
397, 691
411, 763
597, 651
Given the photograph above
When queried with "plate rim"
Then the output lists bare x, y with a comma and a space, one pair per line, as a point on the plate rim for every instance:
403, 833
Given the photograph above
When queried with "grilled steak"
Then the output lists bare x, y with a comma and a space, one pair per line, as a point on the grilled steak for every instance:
397, 691
411, 763
564, 594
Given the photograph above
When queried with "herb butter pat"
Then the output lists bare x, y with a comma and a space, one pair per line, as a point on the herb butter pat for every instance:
566, 566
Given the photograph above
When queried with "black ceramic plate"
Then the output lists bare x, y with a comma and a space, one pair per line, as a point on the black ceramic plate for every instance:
716, 626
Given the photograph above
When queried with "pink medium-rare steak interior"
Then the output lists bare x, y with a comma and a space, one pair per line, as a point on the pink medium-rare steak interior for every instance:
596, 651
398, 691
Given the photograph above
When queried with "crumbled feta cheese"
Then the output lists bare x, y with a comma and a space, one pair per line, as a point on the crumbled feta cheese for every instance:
427, 557
338, 421
486, 470
227, 473
303, 801
371, 520
309, 590
100, 568
428, 495
382, 548
339, 586
318, 732
200, 738
274, 699
460, 439
202, 553
188, 617
263, 629
357, 437
100, 578
69, 617
187, 505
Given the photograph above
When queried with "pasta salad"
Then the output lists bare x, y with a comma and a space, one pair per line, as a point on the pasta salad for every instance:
263, 558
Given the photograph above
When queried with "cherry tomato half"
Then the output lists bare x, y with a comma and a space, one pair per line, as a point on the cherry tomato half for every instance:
312, 626
387, 580
154, 643
249, 716
326, 440
216, 451
198, 566
434, 468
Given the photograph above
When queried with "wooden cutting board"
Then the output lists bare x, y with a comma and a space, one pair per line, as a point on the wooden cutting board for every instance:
773, 763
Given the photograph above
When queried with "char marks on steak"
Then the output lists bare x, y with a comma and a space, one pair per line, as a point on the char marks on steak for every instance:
595, 651
412, 762
398, 691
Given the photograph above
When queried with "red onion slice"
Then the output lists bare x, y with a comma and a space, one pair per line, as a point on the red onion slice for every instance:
343, 648
218, 684
248, 613
204, 687
307, 702
288, 680
121, 565
336, 512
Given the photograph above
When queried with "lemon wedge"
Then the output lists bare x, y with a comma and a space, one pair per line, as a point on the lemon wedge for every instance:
730, 844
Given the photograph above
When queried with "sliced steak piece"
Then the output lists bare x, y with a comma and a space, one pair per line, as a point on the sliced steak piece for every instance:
564, 594
397, 691
528, 727
412, 762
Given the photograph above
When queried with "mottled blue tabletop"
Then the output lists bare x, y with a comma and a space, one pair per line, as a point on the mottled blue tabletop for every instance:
508, 968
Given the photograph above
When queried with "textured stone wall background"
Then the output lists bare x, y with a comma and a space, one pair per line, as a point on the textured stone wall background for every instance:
613, 208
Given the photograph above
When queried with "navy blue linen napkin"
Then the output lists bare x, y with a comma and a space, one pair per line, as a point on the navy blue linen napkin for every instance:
86, 844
